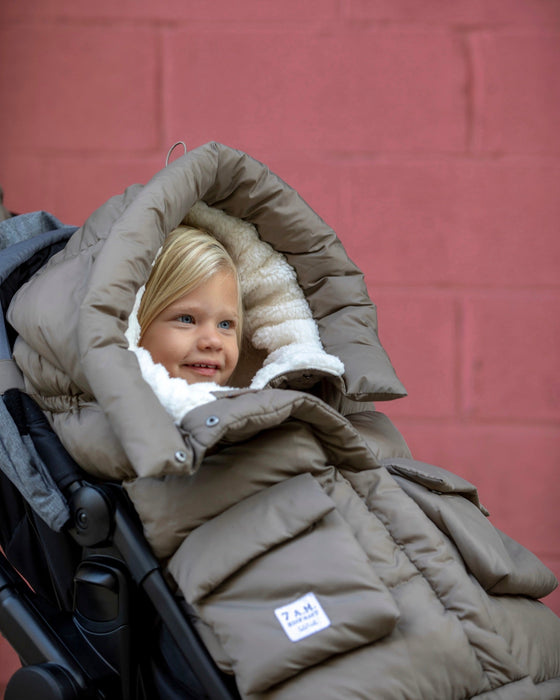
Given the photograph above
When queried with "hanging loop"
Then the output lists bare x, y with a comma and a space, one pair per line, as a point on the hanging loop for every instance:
170, 151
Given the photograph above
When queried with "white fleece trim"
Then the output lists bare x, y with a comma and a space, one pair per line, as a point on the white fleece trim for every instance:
290, 358
175, 395
277, 317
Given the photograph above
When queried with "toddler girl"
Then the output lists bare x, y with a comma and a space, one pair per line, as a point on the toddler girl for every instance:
190, 315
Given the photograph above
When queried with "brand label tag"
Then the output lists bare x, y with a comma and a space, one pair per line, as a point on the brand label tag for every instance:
302, 618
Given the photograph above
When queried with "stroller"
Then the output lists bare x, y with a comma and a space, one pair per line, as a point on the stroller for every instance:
84, 602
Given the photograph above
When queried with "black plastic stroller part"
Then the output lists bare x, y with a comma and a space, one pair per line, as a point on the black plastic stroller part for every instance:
29, 628
47, 681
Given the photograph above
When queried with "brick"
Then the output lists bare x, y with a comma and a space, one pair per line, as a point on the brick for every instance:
23, 179
218, 11
536, 12
478, 12
87, 89
453, 222
302, 92
511, 351
94, 180
508, 232
515, 468
419, 333
517, 95
397, 220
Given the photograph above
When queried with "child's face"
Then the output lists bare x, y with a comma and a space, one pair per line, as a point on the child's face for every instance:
195, 338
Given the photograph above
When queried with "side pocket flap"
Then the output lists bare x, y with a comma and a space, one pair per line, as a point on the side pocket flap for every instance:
500, 565
246, 530
434, 478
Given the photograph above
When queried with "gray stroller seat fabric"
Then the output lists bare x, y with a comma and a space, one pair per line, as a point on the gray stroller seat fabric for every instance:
25, 469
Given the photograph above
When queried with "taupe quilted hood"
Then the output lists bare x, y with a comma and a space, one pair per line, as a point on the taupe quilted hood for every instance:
108, 260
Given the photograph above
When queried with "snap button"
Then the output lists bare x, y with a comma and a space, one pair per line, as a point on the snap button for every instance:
212, 420
181, 456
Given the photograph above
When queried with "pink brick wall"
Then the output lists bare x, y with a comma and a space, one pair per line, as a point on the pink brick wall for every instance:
425, 132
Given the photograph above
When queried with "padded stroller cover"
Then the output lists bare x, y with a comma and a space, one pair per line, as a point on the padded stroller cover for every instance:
320, 558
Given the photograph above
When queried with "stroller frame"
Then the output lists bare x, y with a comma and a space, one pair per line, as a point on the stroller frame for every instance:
76, 604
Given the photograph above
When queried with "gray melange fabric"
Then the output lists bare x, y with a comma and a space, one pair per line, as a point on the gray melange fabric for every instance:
26, 226
25, 469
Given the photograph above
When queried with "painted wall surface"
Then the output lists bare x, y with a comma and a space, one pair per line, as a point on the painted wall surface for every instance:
425, 132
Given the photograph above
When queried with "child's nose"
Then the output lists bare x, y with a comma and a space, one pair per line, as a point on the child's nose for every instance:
210, 337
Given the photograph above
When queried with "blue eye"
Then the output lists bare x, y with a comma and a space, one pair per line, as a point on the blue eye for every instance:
186, 318
225, 325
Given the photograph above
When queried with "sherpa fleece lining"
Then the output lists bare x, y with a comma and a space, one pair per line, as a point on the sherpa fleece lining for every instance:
277, 317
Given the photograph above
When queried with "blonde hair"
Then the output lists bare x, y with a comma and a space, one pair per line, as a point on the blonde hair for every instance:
189, 256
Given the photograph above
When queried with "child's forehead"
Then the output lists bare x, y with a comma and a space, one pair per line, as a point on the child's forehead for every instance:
218, 289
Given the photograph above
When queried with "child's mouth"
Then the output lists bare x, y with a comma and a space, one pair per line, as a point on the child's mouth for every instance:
204, 368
